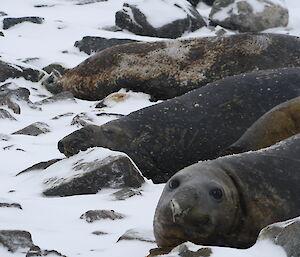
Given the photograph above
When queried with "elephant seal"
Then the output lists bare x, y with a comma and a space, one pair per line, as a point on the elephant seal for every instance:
227, 201
279, 123
165, 69
166, 137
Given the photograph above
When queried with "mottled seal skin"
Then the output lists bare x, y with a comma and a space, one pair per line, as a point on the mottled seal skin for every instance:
227, 201
166, 69
166, 137
279, 123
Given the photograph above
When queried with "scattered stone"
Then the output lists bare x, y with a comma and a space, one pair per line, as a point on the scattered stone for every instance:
8, 147
29, 60
1, 34
63, 96
84, 2
68, 114
40, 166
34, 129
11, 94
55, 67
94, 215
9, 70
113, 28
37, 251
16, 240
117, 115
99, 233
159, 251
4, 137
11, 205
42, 5
4, 114
10, 22
285, 234
126, 193
91, 45
196, 2
246, 16
138, 19
139, 235
81, 120
3, 14
111, 172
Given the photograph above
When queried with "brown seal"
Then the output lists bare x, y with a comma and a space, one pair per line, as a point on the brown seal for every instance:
227, 201
279, 123
166, 69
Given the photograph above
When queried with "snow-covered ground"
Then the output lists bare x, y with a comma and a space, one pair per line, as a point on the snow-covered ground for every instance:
54, 222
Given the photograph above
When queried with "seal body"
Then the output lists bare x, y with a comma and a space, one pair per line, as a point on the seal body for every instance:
281, 122
227, 201
166, 137
166, 69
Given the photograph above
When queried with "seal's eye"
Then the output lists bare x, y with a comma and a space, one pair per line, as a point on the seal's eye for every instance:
216, 193
174, 183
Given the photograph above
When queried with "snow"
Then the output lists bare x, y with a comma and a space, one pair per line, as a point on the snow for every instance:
54, 221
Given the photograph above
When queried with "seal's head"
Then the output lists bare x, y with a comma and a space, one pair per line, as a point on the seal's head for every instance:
199, 204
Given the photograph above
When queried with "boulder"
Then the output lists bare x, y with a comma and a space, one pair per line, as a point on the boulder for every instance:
34, 129
10, 22
16, 240
138, 235
9, 70
89, 174
249, 16
94, 215
91, 45
285, 234
159, 18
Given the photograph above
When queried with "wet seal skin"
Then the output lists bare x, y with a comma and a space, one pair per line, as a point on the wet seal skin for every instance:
281, 122
165, 69
227, 201
166, 137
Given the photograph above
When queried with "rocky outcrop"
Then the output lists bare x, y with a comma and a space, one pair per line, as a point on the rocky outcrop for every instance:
10, 22
16, 240
34, 129
159, 18
249, 16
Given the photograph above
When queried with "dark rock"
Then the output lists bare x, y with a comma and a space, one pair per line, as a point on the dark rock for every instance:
94, 215
68, 114
159, 251
285, 234
81, 120
117, 115
133, 234
3, 14
196, 2
55, 67
1, 34
42, 5
34, 129
11, 205
111, 172
37, 251
16, 240
39, 166
126, 193
133, 19
10, 22
91, 45
29, 60
84, 2
4, 114
63, 96
99, 233
242, 16
8, 70
11, 95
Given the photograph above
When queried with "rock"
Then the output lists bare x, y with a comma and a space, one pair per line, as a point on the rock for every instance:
126, 193
4, 114
39, 166
57, 117
99, 233
3, 14
10, 22
55, 67
285, 234
1, 34
63, 96
4, 137
11, 205
152, 18
196, 2
16, 240
91, 45
139, 235
34, 129
11, 95
37, 251
9, 70
81, 120
110, 172
245, 16
84, 2
94, 215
